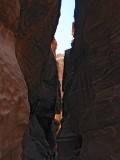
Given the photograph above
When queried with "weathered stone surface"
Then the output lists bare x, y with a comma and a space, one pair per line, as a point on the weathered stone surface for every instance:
36, 29
42, 138
37, 25
68, 74
94, 96
69, 141
9, 13
14, 107
54, 46
37, 147
45, 108
60, 64
27, 27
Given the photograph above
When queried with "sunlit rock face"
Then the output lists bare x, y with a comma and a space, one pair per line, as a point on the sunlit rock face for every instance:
94, 96
14, 107
60, 62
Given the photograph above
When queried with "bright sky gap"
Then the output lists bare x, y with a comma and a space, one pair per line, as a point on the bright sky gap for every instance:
63, 33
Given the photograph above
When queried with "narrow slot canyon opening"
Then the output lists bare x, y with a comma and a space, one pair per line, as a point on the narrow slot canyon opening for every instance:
59, 104
64, 38
68, 142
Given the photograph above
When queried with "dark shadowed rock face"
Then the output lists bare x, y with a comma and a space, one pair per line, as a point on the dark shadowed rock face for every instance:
94, 96
9, 13
37, 25
92, 93
68, 74
42, 114
38, 21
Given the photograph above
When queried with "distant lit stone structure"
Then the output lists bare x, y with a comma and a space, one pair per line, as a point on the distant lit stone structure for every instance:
60, 60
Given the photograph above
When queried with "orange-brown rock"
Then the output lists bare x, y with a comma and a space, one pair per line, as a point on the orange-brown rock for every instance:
54, 46
14, 107
9, 13
60, 61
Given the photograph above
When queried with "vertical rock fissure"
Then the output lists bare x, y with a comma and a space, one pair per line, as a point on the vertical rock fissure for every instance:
30, 89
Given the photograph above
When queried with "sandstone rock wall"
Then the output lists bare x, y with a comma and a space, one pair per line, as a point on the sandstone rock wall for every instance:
94, 96
60, 62
37, 25
26, 32
14, 107
38, 21
68, 74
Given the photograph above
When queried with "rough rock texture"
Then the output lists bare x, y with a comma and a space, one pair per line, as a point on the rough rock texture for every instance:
67, 80
27, 28
60, 62
37, 25
38, 21
94, 96
69, 141
42, 139
9, 13
14, 107
47, 101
